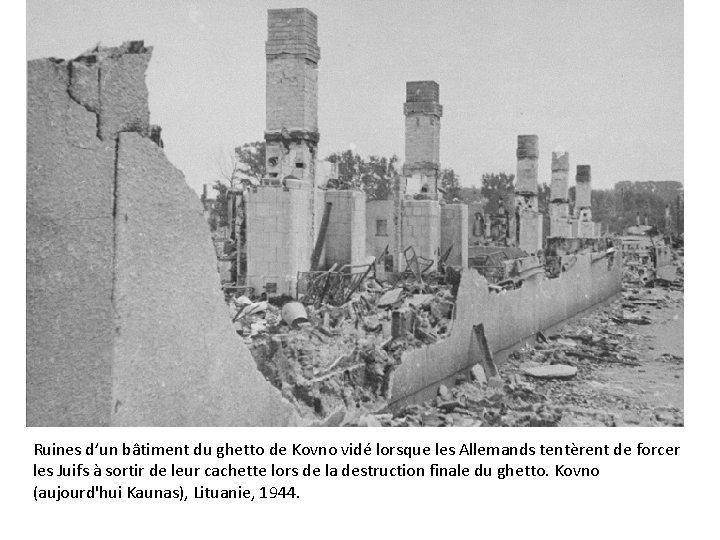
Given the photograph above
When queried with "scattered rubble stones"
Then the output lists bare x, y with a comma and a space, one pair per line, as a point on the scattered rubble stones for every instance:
326, 357
550, 371
342, 358
605, 339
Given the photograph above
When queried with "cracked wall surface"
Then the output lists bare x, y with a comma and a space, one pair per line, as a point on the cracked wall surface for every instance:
126, 324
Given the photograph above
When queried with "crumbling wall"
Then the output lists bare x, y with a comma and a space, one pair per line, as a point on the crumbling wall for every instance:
421, 228
126, 322
422, 127
69, 255
508, 317
454, 233
279, 236
587, 229
345, 241
380, 232
583, 188
319, 206
531, 230
477, 225
292, 73
663, 256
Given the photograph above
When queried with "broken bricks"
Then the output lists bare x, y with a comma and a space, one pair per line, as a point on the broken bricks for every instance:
323, 355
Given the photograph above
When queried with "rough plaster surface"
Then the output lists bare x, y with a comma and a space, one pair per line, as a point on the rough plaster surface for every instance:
374, 211
421, 229
508, 317
279, 235
69, 254
177, 360
454, 233
345, 240
125, 320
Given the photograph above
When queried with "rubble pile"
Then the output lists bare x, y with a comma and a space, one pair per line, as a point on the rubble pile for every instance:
326, 357
506, 401
559, 380
640, 271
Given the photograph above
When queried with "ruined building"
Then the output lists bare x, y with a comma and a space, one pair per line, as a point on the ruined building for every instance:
415, 221
284, 213
127, 324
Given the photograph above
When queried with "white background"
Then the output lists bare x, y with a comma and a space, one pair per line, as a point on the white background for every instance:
645, 497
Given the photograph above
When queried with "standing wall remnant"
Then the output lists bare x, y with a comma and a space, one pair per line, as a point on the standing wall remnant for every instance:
508, 318
583, 206
422, 134
583, 190
421, 229
126, 321
278, 245
560, 225
292, 55
345, 241
454, 233
380, 233
282, 218
528, 220
527, 168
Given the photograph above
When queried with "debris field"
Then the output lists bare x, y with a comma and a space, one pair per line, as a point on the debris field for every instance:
337, 361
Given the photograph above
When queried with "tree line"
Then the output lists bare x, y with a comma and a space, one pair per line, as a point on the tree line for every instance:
616, 208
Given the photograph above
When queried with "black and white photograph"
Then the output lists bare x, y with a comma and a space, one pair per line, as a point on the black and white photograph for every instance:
331, 214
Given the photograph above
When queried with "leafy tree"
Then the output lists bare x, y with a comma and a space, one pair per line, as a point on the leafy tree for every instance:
618, 209
250, 158
219, 212
350, 167
379, 176
450, 182
374, 175
496, 186
471, 195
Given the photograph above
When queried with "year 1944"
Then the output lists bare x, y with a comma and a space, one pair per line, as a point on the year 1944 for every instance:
275, 492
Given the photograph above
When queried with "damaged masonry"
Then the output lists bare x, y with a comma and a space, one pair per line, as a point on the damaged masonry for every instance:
407, 311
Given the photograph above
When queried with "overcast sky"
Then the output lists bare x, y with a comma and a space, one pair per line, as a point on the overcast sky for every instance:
600, 79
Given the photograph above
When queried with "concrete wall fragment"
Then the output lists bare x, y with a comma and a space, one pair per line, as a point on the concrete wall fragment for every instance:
454, 233
177, 359
345, 240
279, 241
508, 318
421, 229
69, 256
126, 322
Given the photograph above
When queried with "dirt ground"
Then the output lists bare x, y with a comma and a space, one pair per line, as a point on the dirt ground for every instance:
647, 394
